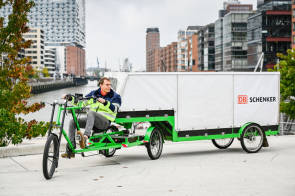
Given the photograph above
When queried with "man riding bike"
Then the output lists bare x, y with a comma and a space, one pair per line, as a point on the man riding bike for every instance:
104, 105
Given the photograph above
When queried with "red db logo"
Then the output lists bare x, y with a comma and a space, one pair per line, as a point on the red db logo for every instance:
243, 99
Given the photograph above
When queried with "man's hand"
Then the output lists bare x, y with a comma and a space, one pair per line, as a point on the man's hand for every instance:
101, 100
67, 96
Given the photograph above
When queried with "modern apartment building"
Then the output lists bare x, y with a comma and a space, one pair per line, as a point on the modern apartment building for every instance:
209, 48
61, 59
200, 35
229, 6
58, 53
152, 43
269, 31
36, 50
184, 46
50, 60
62, 21
235, 41
181, 50
219, 44
203, 49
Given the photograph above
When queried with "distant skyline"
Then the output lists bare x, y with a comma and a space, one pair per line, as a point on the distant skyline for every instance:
116, 29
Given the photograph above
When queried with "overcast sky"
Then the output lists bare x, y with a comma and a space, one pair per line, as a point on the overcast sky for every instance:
116, 29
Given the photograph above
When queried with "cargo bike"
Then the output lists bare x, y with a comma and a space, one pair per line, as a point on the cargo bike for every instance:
179, 107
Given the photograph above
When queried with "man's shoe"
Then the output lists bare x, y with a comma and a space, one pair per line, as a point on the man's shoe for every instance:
81, 141
84, 142
68, 155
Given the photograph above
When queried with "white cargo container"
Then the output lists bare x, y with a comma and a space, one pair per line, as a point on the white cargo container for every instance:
206, 100
203, 106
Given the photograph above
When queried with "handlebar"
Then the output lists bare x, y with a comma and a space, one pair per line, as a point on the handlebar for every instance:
68, 97
57, 102
79, 97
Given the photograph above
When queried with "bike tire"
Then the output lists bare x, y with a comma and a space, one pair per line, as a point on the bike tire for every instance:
109, 152
222, 146
247, 137
155, 145
50, 156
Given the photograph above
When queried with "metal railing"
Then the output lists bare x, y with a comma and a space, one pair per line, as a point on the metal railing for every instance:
287, 125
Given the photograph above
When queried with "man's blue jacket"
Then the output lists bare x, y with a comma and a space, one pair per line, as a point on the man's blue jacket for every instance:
112, 97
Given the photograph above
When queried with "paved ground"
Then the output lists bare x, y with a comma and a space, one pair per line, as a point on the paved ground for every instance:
188, 168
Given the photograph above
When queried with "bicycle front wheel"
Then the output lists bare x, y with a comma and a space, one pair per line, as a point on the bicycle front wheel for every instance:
50, 156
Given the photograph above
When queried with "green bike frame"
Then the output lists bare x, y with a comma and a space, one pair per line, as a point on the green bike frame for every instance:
166, 123
163, 120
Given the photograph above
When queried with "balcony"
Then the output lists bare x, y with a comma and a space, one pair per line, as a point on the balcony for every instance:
278, 12
278, 39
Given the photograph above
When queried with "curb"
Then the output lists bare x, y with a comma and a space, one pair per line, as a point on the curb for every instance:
23, 150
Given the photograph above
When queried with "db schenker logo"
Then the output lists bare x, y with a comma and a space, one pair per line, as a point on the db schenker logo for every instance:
243, 99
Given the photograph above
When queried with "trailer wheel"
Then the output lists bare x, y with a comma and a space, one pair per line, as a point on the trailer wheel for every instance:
252, 138
155, 145
222, 143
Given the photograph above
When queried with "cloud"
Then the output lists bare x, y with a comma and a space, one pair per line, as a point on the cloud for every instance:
115, 29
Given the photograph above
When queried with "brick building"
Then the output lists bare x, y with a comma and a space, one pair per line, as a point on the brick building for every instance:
167, 58
152, 43
195, 55
75, 61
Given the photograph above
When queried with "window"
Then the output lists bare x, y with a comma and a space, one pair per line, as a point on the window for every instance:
33, 31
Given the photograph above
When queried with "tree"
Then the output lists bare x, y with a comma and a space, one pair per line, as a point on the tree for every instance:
287, 84
14, 73
45, 72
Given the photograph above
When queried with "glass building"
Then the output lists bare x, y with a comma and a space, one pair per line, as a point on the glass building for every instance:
235, 41
209, 48
201, 49
63, 24
63, 21
219, 45
269, 31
